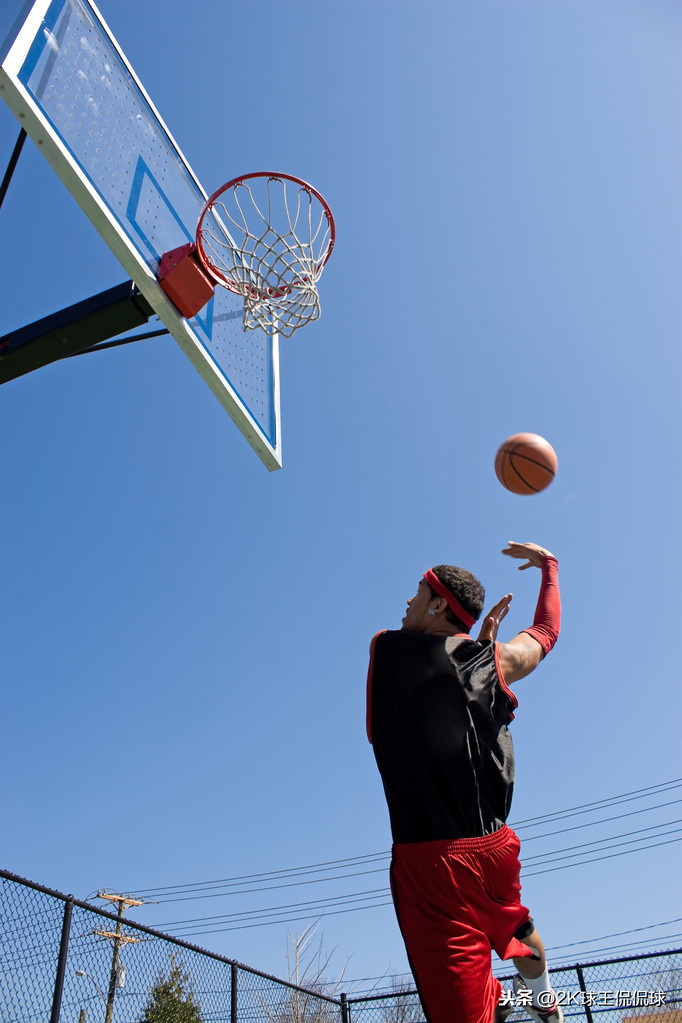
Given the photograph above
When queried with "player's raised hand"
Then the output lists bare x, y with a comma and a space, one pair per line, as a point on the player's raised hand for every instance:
534, 554
491, 622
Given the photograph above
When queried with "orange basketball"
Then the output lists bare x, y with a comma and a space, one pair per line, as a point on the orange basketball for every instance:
526, 463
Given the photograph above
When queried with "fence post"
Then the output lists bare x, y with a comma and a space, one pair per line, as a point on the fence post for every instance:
234, 986
61, 962
344, 1008
586, 1001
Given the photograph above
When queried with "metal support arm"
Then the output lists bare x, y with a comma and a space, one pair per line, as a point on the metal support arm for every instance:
72, 330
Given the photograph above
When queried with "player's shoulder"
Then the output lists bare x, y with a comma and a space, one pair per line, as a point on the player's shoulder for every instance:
464, 649
383, 636
398, 638
397, 643
462, 641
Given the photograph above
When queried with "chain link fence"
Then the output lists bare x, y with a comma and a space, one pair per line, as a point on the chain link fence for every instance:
645, 988
65, 961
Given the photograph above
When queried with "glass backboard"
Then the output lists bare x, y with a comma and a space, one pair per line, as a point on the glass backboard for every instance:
69, 84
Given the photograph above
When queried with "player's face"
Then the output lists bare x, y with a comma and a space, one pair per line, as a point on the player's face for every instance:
417, 614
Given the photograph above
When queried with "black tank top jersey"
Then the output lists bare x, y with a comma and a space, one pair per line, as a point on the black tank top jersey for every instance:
437, 716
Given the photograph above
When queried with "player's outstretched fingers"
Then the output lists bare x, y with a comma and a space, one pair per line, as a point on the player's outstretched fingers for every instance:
491, 622
534, 554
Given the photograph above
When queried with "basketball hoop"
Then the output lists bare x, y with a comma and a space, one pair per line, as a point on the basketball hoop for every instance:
264, 236
267, 237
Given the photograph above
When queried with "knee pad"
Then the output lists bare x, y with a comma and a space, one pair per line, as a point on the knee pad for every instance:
525, 930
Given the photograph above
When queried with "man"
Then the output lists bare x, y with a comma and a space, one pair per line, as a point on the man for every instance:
438, 707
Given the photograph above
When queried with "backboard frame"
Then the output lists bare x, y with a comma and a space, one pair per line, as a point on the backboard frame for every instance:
27, 45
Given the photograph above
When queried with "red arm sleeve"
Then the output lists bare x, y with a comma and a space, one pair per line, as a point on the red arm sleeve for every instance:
547, 621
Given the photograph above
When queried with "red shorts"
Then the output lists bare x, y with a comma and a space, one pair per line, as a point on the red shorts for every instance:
455, 900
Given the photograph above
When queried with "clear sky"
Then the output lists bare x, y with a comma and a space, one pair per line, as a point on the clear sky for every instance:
185, 635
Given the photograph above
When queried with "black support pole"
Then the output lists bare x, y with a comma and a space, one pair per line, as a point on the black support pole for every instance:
581, 981
61, 963
13, 160
234, 993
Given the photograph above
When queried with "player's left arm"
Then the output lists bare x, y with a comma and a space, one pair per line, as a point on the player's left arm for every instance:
523, 653
518, 657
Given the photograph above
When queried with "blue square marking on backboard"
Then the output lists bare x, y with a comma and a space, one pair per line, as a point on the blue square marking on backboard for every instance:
142, 176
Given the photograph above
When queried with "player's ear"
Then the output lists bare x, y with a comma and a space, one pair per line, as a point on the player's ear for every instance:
439, 605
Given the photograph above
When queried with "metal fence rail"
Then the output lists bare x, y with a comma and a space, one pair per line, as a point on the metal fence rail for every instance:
66, 961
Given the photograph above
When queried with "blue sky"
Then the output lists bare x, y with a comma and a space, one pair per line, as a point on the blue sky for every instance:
185, 635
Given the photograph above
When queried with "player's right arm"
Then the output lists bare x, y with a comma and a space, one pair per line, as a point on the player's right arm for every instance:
523, 653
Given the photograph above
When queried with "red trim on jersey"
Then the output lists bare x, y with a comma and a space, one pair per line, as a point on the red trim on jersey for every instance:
500, 675
452, 602
369, 683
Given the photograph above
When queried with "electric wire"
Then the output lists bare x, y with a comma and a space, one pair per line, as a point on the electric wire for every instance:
617, 934
216, 889
266, 875
352, 897
596, 859
610, 839
283, 873
612, 846
329, 907
624, 797
391, 981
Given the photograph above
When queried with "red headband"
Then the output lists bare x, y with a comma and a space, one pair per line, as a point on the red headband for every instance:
452, 602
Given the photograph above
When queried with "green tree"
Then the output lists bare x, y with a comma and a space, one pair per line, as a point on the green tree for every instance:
171, 1000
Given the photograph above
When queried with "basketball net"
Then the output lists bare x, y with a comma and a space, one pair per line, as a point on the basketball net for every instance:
267, 238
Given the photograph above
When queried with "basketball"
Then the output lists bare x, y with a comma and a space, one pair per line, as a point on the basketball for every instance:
525, 463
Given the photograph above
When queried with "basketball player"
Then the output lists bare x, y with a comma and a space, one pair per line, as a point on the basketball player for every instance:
438, 710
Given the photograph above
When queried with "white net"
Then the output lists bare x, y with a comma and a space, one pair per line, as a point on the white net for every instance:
267, 238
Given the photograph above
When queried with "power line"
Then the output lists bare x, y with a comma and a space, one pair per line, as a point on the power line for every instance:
243, 887
597, 859
584, 853
616, 934
610, 800
287, 920
227, 882
198, 888
392, 979
309, 907
263, 917
629, 947
273, 887
603, 820
354, 896
600, 841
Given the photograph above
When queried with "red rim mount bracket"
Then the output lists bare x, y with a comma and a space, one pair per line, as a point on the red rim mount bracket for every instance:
184, 279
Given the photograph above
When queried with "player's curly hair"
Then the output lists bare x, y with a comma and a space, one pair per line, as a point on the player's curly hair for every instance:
465, 587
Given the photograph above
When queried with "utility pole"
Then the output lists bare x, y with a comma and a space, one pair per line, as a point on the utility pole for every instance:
118, 938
